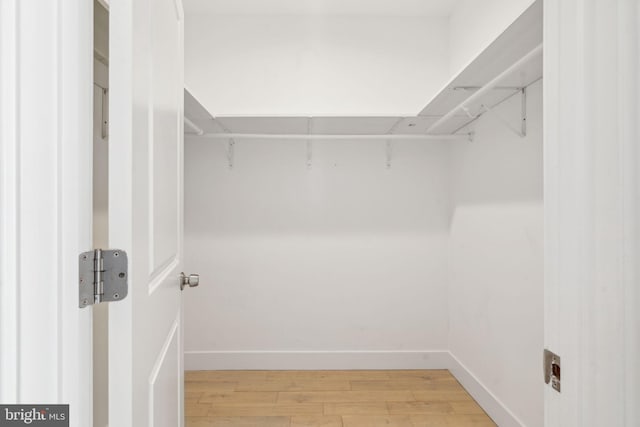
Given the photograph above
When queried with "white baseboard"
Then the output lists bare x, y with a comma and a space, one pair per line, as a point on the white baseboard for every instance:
500, 414
321, 360
340, 360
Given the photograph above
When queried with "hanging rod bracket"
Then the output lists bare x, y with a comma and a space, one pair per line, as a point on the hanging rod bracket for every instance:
309, 143
231, 152
523, 109
309, 154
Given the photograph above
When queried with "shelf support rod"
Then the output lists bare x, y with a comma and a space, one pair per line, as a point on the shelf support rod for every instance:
474, 88
488, 87
197, 129
320, 137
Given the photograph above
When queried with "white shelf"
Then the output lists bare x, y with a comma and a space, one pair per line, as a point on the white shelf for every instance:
521, 40
199, 122
511, 62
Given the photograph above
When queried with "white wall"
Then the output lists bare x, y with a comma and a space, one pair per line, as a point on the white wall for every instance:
347, 256
315, 65
496, 265
474, 24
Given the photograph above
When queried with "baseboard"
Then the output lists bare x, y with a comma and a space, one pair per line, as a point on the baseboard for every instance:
500, 414
321, 360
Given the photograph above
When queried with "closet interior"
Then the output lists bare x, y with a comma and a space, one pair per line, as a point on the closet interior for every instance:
369, 239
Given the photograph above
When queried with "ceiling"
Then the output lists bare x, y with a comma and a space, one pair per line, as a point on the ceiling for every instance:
432, 8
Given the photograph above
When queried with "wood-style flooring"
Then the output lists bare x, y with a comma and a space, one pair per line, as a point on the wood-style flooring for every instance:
329, 398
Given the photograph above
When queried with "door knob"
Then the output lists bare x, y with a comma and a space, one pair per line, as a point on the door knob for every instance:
191, 280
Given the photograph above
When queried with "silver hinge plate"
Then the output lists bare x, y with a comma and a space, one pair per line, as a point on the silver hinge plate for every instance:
103, 276
552, 369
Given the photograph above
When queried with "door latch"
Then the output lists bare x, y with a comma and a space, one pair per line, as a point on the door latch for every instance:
552, 369
191, 280
103, 276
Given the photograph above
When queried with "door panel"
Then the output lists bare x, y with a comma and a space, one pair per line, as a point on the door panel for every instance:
146, 155
163, 393
165, 96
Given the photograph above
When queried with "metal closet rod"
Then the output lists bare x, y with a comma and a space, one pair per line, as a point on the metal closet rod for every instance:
488, 87
197, 129
306, 137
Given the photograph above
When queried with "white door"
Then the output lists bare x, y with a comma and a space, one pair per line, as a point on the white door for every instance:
146, 218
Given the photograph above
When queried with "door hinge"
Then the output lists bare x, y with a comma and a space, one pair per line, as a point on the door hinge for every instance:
552, 369
103, 276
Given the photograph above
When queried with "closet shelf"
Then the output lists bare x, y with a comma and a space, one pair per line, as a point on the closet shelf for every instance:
510, 64
199, 123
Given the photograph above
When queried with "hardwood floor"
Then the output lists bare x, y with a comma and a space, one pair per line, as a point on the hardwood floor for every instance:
328, 399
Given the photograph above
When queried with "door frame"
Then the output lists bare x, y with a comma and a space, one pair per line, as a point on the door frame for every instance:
121, 32
46, 90
592, 210
45, 214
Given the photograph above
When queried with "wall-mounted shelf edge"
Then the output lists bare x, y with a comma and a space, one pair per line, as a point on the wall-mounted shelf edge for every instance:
316, 137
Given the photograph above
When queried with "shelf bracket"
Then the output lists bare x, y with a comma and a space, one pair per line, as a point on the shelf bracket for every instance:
231, 144
523, 109
522, 131
389, 143
309, 144
231, 152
